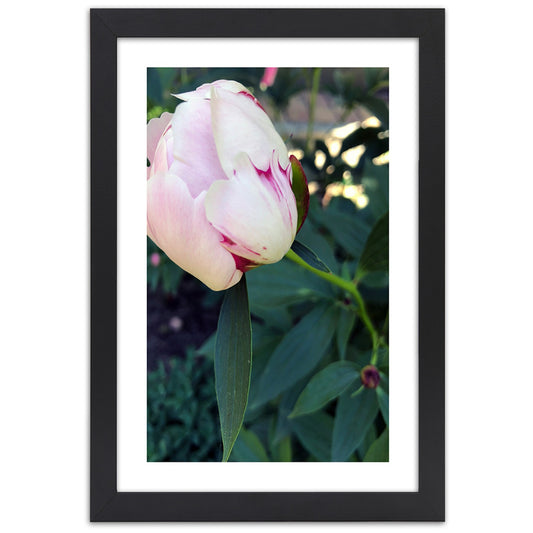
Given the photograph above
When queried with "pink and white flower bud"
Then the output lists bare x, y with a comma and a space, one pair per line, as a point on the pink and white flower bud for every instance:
269, 77
219, 185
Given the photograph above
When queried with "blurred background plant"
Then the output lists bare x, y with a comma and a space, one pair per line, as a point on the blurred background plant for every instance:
308, 400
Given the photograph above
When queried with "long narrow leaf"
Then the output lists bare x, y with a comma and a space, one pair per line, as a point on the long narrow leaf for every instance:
325, 386
233, 363
379, 451
383, 400
352, 420
298, 353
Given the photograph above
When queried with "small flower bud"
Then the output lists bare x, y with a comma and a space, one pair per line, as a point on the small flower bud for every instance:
370, 376
155, 259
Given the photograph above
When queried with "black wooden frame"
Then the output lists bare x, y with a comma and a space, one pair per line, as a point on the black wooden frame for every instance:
107, 504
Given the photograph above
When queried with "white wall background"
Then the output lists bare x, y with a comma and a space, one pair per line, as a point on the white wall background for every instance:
44, 280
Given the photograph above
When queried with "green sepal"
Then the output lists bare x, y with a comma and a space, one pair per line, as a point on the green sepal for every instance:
300, 190
309, 256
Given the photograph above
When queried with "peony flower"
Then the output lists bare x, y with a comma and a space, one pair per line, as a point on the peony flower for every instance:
219, 185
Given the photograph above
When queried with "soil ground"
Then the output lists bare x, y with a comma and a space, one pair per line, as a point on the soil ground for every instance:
178, 322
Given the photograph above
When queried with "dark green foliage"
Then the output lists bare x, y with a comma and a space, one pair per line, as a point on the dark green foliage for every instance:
375, 256
284, 283
314, 432
183, 422
298, 353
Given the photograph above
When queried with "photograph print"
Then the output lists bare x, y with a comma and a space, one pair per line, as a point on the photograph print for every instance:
267, 264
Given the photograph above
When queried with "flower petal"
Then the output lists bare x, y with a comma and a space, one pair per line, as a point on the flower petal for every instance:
155, 129
204, 91
195, 155
178, 225
241, 125
163, 158
256, 214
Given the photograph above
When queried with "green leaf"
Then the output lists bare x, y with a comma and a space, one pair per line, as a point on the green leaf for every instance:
384, 380
283, 451
383, 363
352, 420
233, 363
376, 183
383, 400
375, 256
348, 229
344, 328
298, 353
286, 405
325, 386
285, 283
314, 432
310, 236
379, 451
300, 190
262, 349
309, 256
276, 318
368, 440
248, 448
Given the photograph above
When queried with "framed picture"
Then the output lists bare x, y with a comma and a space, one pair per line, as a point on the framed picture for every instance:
245, 297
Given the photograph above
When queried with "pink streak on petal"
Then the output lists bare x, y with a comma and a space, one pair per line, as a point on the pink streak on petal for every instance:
275, 180
253, 98
268, 176
254, 211
235, 248
242, 264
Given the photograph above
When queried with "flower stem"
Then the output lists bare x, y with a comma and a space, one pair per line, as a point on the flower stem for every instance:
312, 104
350, 287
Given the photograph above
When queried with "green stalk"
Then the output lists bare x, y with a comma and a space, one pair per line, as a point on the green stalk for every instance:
312, 104
350, 287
